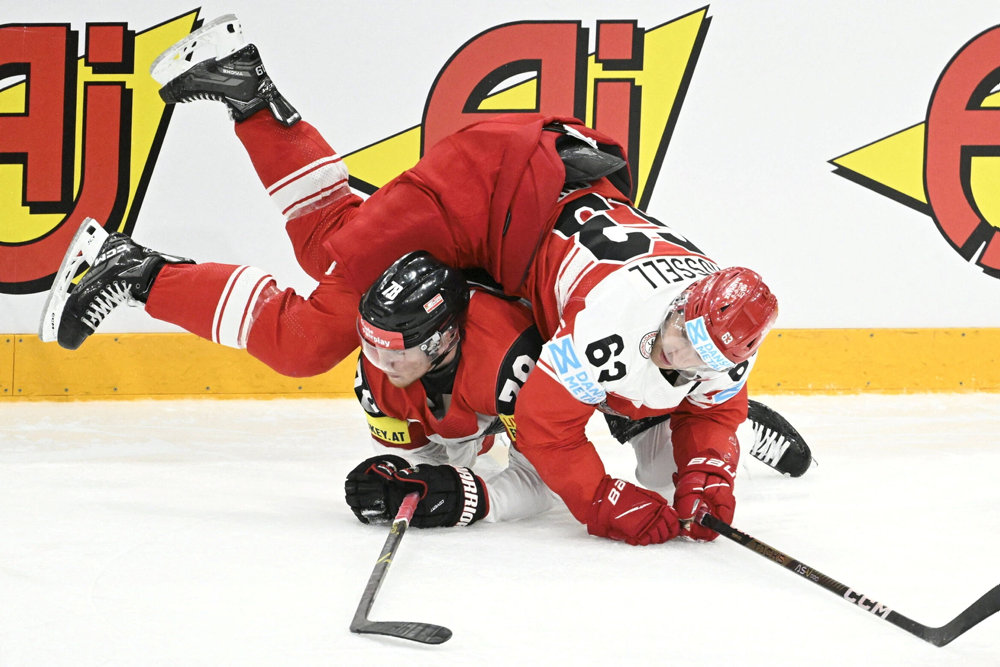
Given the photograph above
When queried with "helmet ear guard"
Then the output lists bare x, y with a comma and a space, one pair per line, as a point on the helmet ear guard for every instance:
441, 343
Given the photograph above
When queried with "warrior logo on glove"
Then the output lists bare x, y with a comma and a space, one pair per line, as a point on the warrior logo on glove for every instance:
449, 496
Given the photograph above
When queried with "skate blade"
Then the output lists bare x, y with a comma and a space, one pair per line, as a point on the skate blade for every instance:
215, 39
83, 248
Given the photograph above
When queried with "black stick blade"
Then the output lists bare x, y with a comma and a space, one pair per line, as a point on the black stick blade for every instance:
977, 612
425, 633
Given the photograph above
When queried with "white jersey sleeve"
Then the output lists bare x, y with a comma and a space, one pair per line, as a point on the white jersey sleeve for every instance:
518, 491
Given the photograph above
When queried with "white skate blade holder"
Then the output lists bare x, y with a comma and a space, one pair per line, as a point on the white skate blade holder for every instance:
215, 39
83, 249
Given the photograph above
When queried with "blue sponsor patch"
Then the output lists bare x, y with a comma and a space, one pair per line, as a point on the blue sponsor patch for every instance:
563, 355
571, 373
726, 394
697, 333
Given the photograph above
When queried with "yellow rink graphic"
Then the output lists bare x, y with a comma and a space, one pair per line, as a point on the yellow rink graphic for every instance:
792, 361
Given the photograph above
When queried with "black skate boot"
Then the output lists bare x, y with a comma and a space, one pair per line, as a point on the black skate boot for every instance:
239, 80
776, 442
121, 273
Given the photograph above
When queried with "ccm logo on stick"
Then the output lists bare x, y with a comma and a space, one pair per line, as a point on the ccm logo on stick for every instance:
862, 601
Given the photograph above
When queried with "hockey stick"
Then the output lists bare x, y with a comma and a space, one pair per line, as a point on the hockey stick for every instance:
425, 633
979, 610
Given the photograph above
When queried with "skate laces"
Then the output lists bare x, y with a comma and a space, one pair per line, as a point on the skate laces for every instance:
214, 97
768, 445
110, 297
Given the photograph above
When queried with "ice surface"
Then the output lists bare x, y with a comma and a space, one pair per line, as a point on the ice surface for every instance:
215, 533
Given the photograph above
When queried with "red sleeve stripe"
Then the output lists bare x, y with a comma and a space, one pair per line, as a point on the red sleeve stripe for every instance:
248, 311
302, 172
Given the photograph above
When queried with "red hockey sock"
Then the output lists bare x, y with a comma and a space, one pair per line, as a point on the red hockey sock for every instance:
214, 301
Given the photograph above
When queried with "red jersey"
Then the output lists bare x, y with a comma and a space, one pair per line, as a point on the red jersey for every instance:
483, 197
498, 350
493, 196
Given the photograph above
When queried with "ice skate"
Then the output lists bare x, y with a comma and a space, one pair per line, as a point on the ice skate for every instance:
121, 273
231, 72
215, 39
776, 442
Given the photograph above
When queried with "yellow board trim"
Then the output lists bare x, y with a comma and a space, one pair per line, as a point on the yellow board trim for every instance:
6, 365
156, 366
792, 361
889, 361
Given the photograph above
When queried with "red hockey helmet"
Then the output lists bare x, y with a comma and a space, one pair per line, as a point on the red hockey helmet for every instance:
734, 308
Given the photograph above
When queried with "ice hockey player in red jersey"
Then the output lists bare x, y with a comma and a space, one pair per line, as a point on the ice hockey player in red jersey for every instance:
638, 321
438, 380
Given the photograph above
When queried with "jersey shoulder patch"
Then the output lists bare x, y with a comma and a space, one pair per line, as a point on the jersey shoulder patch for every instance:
564, 362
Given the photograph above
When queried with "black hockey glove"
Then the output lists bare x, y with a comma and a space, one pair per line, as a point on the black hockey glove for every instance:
367, 488
449, 496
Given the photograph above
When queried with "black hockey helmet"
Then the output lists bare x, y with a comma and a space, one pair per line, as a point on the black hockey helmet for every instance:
413, 304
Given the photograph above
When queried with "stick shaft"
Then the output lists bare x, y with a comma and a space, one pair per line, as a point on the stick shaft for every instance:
399, 526
796, 566
983, 608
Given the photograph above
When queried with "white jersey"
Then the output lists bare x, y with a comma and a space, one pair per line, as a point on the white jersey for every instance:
610, 313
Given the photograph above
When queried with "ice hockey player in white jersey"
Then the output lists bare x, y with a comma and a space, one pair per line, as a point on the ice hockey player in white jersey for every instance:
639, 323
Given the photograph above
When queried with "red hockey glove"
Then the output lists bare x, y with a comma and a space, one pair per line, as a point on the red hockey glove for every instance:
626, 512
704, 482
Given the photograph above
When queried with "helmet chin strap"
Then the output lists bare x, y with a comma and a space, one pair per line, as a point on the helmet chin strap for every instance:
448, 358
441, 377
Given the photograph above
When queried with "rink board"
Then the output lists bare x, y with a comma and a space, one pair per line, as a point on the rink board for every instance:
792, 361
153, 366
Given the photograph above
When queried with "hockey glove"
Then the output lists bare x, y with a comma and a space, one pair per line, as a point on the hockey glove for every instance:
704, 482
631, 514
449, 496
367, 488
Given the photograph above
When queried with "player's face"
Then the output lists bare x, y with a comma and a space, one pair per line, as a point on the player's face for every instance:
402, 367
406, 366
673, 351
